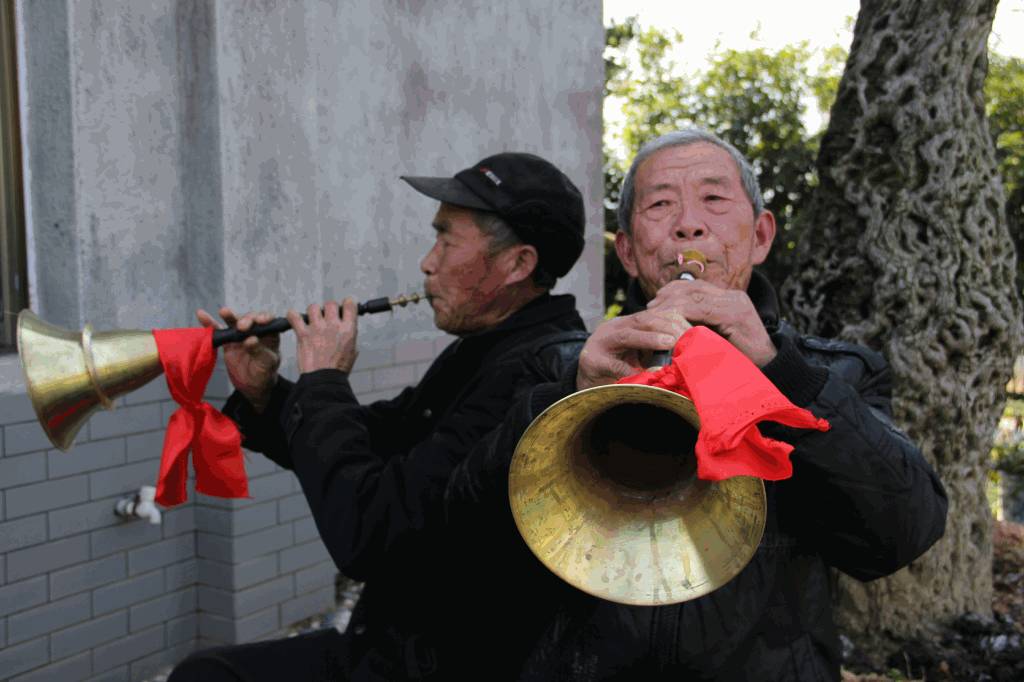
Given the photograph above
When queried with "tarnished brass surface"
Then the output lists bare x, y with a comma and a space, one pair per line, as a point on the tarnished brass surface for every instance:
70, 375
640, 530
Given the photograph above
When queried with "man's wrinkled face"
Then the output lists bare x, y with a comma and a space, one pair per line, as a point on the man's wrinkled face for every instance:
691, 197
460, 278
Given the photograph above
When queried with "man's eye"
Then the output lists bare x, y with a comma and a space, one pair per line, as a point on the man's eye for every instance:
714, 197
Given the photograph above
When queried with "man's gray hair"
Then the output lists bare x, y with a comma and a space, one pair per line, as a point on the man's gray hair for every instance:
681, 138
501, 236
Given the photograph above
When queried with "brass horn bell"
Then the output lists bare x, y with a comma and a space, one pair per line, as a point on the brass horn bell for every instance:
604, 491
70, 375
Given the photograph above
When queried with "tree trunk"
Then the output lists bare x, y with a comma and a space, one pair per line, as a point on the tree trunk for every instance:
907, 251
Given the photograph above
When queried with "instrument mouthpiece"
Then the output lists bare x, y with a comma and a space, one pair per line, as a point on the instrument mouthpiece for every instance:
693, 263
406, 299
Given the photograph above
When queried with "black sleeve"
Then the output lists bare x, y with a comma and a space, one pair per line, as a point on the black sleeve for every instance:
861, 494
264, 431
476, 499
261, 432
371, 509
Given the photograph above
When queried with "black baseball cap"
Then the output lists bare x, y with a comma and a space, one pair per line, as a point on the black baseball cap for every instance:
538, 201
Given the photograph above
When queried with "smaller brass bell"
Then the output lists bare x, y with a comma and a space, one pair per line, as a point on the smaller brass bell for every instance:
70, 375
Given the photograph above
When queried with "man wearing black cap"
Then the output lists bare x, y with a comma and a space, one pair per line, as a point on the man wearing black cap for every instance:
375, 475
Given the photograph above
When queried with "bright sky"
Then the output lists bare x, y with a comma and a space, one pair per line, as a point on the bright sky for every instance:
820, 22
730, 23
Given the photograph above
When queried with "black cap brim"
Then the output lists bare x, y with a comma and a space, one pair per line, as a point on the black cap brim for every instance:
448, 190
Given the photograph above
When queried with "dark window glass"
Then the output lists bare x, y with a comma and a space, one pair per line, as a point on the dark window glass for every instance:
13, 269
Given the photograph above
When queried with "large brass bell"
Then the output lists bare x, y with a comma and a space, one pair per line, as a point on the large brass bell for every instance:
603, 489
69, 375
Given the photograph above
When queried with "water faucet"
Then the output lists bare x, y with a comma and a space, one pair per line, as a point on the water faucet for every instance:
140, 505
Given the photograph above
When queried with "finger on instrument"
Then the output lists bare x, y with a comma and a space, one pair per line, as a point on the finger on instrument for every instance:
669, 322
245, 322
348, 308
206, 319
331, 311
296, 321
638, 339
249, 320
228, 315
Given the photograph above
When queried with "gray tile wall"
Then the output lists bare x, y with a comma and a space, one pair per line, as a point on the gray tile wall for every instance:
85, 594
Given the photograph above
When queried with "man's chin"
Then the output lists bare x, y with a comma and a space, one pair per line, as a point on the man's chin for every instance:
445, 323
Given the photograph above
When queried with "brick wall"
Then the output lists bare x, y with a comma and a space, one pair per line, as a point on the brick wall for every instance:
85, 593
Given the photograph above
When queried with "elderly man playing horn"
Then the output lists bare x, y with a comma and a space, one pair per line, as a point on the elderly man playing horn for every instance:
861, 498
374, 475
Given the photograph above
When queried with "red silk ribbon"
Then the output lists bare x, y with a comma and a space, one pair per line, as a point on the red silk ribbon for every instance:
188, 358
731, 396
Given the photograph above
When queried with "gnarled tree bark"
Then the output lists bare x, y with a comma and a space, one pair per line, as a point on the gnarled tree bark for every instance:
907, 251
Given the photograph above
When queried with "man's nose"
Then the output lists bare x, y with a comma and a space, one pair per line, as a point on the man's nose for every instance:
428, 264
687, 226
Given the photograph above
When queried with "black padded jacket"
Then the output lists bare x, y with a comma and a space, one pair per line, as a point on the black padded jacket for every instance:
375, 475
862, 499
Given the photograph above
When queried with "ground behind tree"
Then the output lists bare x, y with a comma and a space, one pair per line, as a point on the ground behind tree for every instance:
974, 647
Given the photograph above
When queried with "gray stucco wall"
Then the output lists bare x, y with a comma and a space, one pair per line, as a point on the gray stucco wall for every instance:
184, 154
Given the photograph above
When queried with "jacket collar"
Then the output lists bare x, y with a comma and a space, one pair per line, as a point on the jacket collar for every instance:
760, 291
541, 309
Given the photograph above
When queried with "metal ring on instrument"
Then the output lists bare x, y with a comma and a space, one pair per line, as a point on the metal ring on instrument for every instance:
90, 366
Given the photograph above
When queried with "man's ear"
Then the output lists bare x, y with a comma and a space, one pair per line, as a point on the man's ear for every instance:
764, 235
624, 250
522, 261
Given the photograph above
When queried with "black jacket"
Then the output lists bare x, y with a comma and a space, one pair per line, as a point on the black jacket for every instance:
861, 499
375, 475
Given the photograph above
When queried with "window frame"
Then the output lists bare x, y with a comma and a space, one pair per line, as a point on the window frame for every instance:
13, 261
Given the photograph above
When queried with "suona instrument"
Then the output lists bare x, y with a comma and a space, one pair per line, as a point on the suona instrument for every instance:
69, 375
693, 262
281, 324
604, 490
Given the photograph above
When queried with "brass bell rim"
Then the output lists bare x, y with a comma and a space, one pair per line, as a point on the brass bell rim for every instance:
729, 488
741, 560
90, 367
29, 322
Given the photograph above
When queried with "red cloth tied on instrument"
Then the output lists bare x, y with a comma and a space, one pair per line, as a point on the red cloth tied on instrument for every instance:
731, 396
188, 358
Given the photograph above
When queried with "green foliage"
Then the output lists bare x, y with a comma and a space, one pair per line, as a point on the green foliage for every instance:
1008, 446
1007, 458
1004, 105
755, 99
825, 82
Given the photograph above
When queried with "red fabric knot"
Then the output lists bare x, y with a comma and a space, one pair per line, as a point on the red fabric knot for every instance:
188, 357
731, 396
